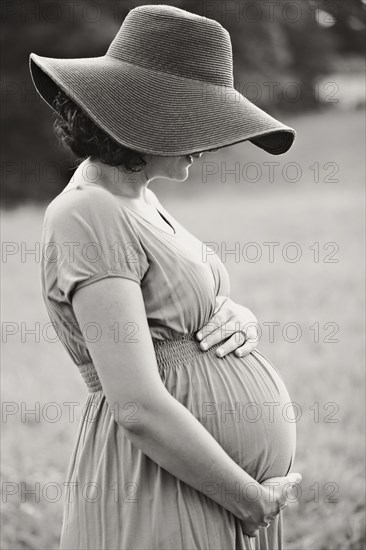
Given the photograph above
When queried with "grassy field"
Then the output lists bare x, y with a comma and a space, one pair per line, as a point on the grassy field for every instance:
317, 301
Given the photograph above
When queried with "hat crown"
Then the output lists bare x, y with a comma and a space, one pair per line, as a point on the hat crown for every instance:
172, 40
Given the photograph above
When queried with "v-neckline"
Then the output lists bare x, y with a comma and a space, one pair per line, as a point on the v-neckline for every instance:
152, 224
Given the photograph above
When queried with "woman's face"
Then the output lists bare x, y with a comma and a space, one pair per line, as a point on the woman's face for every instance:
173, 168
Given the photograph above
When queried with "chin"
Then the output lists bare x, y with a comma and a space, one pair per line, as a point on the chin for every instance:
177, 175
183, 177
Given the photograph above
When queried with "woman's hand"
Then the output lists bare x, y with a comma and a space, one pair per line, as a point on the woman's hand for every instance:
228, 319
275, 492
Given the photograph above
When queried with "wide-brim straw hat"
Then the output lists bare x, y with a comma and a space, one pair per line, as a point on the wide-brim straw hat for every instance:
165, 87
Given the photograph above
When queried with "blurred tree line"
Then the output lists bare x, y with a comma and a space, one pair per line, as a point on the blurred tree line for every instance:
281, 48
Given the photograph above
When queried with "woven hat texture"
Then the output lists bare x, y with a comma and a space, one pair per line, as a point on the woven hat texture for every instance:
165, 86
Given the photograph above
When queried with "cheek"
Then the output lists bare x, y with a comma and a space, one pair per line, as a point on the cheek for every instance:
171, 167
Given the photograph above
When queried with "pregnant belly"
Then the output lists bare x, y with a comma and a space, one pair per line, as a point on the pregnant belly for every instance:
242, 402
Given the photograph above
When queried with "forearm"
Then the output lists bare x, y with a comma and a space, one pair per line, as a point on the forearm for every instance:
166, 431
173, 438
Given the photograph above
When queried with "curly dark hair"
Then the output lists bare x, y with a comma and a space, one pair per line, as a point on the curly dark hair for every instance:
78, 132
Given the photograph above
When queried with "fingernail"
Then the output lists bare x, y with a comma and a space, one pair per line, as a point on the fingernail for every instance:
204, 345
239, 353
219, 352
199, 335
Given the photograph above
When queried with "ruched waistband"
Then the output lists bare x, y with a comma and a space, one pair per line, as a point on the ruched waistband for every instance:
174, 352
169, 353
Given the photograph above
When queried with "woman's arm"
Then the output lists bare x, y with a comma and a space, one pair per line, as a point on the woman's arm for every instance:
165, 430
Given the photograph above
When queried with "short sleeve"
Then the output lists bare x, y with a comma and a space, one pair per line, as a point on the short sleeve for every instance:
90, 236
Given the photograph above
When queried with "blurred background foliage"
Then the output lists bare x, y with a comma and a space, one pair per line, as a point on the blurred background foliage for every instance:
277, 46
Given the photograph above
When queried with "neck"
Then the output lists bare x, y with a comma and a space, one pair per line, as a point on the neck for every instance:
129, 185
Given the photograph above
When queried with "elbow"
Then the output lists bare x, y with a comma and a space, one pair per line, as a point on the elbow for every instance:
138, 418
131, 416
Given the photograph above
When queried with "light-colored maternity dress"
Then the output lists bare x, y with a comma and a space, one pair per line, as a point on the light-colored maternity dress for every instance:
117, 497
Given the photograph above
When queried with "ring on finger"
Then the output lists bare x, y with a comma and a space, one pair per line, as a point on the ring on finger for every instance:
243, 332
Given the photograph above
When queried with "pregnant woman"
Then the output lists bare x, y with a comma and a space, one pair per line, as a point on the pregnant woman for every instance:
179, 446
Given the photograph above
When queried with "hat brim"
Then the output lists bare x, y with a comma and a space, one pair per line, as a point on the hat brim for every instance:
156, 112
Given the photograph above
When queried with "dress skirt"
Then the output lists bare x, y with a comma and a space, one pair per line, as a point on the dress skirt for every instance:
119, 499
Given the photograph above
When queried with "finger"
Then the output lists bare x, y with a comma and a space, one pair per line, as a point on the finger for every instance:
215, 320
250, 343
252, 333
244, 350
251, 535
231, 344
227, 328
215, 337
214, 323
251, 528
294, 478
